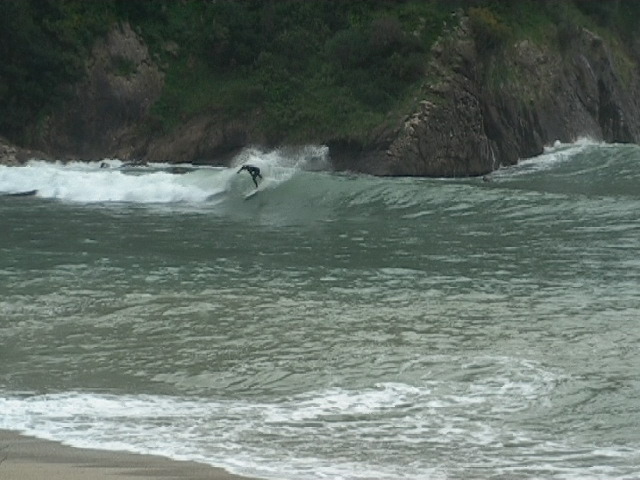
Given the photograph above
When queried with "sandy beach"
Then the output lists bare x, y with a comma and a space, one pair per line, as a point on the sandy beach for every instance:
27, 458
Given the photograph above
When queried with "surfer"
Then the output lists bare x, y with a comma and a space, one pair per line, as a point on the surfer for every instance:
253, 171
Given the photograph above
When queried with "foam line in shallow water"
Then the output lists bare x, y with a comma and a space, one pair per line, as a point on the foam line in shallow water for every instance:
257, 437
279, 437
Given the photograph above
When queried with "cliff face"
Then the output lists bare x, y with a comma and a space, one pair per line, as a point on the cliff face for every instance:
475, 121
102, 116
474, 114
205, 139
108, 112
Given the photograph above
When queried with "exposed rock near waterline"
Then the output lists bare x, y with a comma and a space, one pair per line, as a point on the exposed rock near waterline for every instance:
13, 155
472, 124
204, 139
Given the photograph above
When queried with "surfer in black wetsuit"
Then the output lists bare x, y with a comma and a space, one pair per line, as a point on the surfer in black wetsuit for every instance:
253, 171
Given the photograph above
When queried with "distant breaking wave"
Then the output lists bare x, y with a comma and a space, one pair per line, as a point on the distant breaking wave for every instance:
111, 180
297, 182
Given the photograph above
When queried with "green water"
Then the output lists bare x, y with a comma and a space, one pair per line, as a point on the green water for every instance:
331, 326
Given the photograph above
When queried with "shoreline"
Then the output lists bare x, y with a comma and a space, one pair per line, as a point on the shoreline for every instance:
30, 458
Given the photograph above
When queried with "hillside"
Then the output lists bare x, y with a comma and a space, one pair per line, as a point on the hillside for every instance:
394, 88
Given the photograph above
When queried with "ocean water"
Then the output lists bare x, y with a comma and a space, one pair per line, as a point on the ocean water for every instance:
332, 326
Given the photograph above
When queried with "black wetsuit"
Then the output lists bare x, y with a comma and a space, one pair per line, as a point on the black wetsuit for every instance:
253, 171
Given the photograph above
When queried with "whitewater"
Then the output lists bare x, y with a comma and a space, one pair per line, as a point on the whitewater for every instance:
333, 325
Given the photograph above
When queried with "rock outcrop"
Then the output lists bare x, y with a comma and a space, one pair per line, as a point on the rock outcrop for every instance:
12, 155
108, 115
474, 121
205, 139
121, 85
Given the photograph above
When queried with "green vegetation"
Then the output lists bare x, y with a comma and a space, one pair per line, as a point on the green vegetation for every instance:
308, 69
42, 44
123, 67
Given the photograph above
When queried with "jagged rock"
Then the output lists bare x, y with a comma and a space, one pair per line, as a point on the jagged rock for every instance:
12, 155
473, 122
205, 139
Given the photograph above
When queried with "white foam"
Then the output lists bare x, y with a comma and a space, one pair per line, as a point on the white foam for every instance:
227, 434
88, 183
308, 157
281, 437
335, 432
111, 181
340, 402
559, 146
552, 155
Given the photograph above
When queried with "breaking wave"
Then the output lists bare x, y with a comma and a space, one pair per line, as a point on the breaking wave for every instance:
298, 182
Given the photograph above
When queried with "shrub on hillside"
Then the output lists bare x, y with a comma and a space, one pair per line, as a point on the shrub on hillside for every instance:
489, 31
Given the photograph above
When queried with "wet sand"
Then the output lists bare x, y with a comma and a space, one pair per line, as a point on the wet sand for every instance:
27, 458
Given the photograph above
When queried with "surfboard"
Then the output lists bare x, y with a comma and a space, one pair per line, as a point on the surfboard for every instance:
29, 193
251, 194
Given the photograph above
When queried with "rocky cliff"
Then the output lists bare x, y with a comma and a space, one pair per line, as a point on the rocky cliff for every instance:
103, 115
476, 111
472, 120
12, 155
108, 114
